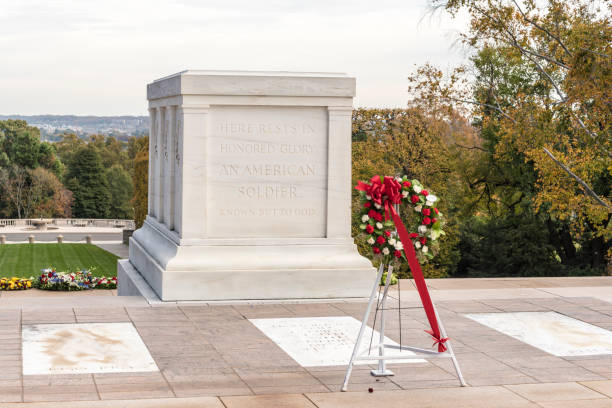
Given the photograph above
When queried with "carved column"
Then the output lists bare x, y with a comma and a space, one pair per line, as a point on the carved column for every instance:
159, 168
168, 159
152, 149
192, 172
339, 172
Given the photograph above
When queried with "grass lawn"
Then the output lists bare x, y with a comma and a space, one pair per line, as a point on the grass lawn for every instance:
25, 260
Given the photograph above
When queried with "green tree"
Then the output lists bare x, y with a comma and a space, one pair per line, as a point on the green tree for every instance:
86, 179
22, 146
121, 191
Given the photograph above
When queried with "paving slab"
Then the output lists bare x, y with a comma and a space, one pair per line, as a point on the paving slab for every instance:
603, 387
468, 397
268, 401
568, 391
598, 403
200, 402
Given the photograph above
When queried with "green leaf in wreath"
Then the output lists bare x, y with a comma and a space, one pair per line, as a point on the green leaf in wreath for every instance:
362, 226
434, 234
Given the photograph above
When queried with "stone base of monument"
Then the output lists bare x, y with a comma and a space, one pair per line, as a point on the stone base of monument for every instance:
217, 270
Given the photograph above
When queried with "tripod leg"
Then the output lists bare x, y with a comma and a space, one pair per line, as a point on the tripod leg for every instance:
382, 369
364, 323
450, 350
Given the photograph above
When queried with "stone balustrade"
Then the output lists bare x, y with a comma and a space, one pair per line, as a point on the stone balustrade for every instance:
70, 222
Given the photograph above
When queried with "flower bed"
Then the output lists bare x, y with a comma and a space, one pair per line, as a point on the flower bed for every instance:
15, 284
50, 279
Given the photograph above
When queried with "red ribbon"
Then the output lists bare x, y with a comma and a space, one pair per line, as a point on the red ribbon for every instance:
386, 192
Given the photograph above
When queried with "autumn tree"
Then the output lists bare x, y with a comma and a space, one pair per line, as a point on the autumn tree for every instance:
47, 196
405, 142
140, 179
14, 185
34, 192
538, 91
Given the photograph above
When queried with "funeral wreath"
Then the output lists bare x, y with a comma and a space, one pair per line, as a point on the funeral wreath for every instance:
418, 207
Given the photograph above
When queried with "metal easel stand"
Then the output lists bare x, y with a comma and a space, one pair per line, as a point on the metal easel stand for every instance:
382, 370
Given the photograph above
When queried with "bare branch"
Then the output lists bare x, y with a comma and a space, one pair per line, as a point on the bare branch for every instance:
545, 57
514, 40
550, 79
583, 126
584, 185
481, 104
472, 148
539, 27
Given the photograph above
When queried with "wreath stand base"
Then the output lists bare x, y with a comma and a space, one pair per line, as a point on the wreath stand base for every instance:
382, 356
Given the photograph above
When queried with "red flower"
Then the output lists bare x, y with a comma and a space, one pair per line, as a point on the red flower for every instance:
50, 274
426, 221
367, 204
398, 254
376, 250
436, 211
369, 229
424, 192
414, 199
426, 211
434, 220
406, 184
387, 233
375, 215
423, 240
381, 240
413, 235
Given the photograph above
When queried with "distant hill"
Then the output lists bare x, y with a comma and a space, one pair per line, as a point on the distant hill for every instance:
53, 126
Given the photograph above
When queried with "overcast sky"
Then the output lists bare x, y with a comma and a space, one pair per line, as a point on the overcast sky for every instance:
95, 57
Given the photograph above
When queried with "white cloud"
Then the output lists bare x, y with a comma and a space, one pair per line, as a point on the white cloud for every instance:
95, 57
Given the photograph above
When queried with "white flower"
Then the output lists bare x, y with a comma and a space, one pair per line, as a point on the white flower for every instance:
365, 218
432, 198
398, 179
417, 189
385, 251
422, 229
368, 197
392, 241
379, 225
418, 208
425, 249
429, 203
404, 194
377, 206
371, 241
399, 246
417, 244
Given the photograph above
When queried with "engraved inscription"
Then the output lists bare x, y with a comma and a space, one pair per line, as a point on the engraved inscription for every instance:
267, 172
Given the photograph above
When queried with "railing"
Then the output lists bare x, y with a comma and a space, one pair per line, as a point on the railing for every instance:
71, 222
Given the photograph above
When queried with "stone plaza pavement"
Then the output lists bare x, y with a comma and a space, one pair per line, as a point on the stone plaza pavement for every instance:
211, 355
